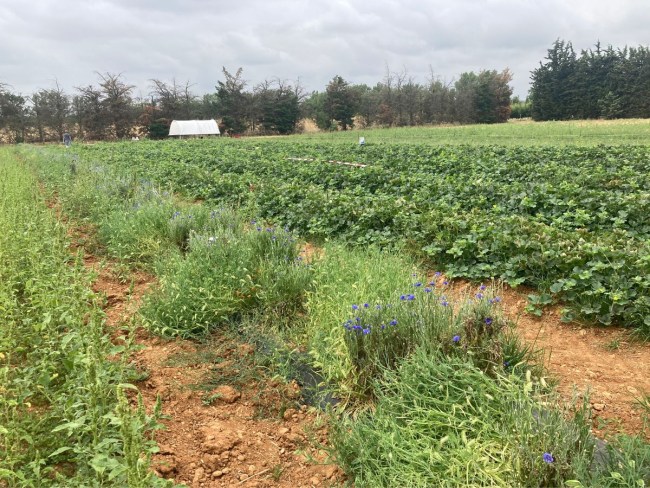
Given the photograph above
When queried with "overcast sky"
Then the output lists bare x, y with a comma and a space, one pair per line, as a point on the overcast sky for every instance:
312, 40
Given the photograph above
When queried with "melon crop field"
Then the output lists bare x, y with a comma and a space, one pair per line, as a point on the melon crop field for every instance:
306, 311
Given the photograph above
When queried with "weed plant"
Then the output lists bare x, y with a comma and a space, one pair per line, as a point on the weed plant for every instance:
440, 421
60, 407
227, 272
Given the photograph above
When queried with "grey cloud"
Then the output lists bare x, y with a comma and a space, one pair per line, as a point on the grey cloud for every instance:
290, 39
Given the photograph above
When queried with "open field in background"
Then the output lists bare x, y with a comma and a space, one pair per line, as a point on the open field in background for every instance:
513, 133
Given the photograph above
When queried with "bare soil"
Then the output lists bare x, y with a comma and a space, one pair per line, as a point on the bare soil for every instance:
254, 434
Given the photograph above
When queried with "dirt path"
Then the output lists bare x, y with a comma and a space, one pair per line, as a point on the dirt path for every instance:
227, 436
605, 360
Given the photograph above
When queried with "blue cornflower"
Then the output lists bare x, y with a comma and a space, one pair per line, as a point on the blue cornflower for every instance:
417, 285
427, 290
378, 307
259, 229
269, 229
393, 322
479, 296
253, 222
402, 297
432, 283
488, 321
548, 457
366, 331
497, 299
445, 282
383, 326
437, 273
366, 305
444, 303
482, 287
456, 338
358, 319
355, 307
273, 238
410, 297
506, 363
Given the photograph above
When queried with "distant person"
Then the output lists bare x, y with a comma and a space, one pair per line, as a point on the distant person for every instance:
67, 139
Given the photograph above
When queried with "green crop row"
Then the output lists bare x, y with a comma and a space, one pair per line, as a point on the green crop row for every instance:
571, 221
65, 419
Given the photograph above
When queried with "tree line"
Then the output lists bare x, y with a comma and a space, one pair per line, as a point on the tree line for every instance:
108, 110
598, 83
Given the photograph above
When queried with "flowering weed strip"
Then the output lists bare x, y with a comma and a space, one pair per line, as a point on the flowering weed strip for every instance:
440, 421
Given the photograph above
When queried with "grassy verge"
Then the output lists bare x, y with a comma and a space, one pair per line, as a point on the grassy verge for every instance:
64, 416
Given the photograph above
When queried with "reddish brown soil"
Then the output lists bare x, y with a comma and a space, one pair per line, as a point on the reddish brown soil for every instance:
219, 438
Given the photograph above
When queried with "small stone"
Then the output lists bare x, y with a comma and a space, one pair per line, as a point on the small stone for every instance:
167, 468
314, 481
251, 468
598, 407
283, 431
164, 449
227, 394
240, 458
330, 472
289, 413
225, 470
217, 474
243, 477
199, 474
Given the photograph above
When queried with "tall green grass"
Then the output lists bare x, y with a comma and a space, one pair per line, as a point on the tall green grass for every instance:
64, 420
225, 274
440, 421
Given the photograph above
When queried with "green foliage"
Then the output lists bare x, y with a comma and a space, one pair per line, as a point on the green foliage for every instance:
226, 272
608, 83
443, 422
459, 401
344, 277
379, 335
339, 103
60, 403
158, 129
568, 220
